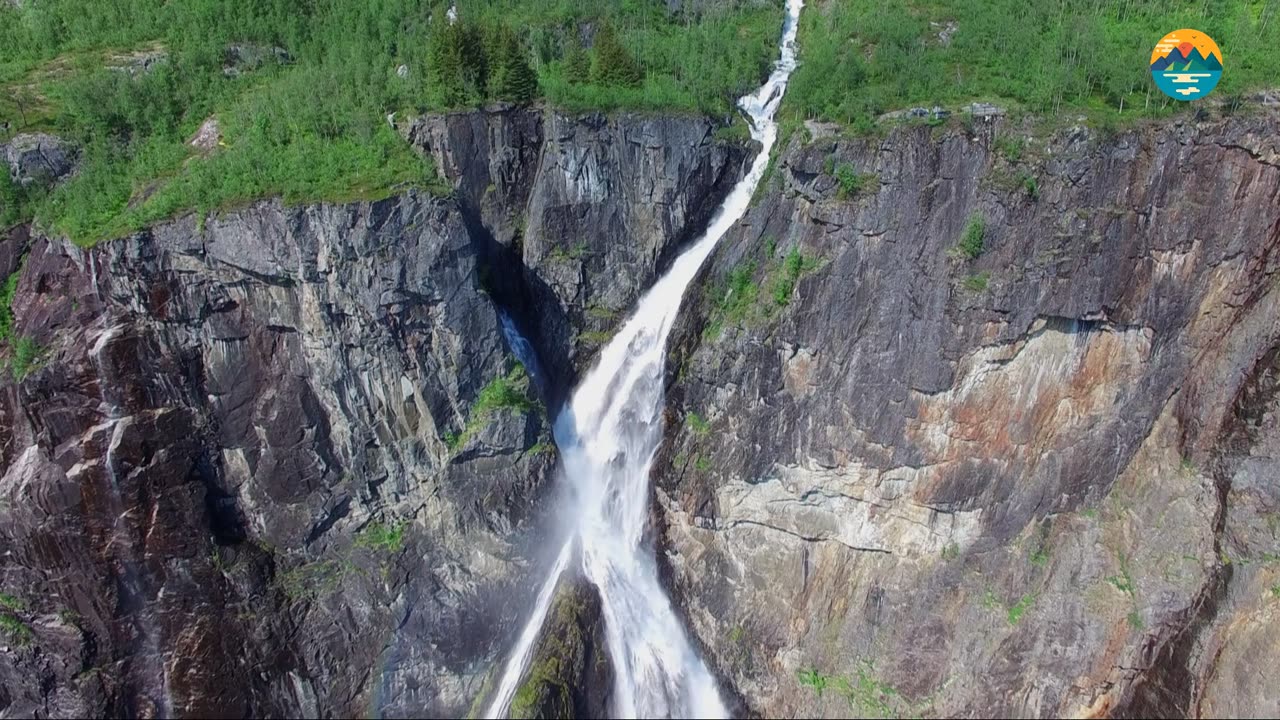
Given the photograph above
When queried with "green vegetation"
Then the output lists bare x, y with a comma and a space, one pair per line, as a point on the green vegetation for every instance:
381, 537
867, 694
600, 312
1122, 582
697, 424
702, 463
813, 679
972, 241
27, 355
505, 392
1134, 618
7, 291
795, 265
312, 579
977, 282
851, 181
1040, 557
543, 447
1275, 591
1020, 608
861, 59
1010, 147
595, 337
12, 603
951, 551
259, 66
737, 296
19, 632
565, 254
1031, 186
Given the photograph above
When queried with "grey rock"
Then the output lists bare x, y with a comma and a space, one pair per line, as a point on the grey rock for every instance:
134, 63
585, 208
240, 58
231, 471
39, 159
1009, 496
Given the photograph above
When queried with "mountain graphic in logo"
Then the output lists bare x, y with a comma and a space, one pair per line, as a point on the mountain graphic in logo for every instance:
1186, 64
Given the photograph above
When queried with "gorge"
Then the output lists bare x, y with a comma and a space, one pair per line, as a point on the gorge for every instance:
304, 459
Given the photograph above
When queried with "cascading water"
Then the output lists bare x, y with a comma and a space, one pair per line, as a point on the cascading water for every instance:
607, 435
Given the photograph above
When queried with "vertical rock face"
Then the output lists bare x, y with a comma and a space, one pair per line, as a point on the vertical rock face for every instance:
227, 486
282, 461
590, 208
1026, 480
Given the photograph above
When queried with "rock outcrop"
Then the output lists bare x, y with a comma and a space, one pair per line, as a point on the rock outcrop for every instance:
38, 159
1024, 473
584, 209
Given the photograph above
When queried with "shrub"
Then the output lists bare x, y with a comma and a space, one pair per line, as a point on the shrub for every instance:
971, 242
17, 630
697, 424
852, 182
26, 357
1020, 608
977, 282
813, 679
382, 537
793, 266
1031, 187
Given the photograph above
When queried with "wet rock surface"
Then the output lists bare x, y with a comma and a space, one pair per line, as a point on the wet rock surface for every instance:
905, 479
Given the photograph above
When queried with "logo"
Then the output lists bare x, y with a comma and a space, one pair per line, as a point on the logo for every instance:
1186, 64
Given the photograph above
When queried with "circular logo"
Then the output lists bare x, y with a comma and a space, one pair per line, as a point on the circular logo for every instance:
1186, 64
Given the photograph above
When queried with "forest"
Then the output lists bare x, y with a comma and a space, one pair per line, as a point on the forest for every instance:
302, 91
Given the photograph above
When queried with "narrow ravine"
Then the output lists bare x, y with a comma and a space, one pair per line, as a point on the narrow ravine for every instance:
608, 434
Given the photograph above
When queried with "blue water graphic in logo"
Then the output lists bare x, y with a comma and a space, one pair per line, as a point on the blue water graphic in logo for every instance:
1186, 64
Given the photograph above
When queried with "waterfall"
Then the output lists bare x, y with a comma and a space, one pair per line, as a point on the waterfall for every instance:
608, 434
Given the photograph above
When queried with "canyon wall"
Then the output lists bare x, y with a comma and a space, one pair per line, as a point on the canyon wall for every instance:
1030, 473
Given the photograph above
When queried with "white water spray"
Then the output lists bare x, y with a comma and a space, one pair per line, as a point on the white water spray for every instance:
608, 435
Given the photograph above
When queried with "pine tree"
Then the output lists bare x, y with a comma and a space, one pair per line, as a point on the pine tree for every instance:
445, 64
501, 42
613, 64
475, 60
519, 81
577, 63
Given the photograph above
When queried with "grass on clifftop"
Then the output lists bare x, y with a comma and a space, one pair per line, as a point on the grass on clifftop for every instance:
1068, 57
303, 103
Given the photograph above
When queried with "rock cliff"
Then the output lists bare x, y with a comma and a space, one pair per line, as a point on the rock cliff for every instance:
966, 423
961, 421
283, 461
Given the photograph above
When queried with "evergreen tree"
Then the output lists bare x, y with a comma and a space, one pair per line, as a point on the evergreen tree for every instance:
475, 60
501, 47
614, 65
577, 64
445, 66
519, 81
